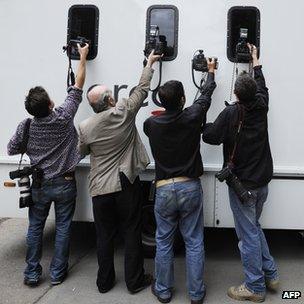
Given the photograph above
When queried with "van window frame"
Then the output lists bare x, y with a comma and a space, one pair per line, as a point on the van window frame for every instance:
92, 55
229, 29
176, 21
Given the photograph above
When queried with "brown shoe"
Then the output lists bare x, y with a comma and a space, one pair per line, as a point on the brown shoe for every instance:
272, 285
241, 293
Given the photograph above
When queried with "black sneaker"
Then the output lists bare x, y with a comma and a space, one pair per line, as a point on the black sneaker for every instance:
161, 300
55, 282
147, 281
105, 290
31, 282
201, 301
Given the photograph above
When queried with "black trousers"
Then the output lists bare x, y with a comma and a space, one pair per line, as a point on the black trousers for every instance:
111, 210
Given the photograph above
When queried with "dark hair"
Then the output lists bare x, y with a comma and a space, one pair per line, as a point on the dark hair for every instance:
245, 87
37, 102
170, 94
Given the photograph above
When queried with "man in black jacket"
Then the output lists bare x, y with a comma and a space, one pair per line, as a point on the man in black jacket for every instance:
252, 164
175, 142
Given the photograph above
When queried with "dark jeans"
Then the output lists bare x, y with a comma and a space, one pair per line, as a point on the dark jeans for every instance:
111, 210
63, 193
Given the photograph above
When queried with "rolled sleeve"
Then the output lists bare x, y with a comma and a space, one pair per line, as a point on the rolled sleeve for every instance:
262, 94
69, 108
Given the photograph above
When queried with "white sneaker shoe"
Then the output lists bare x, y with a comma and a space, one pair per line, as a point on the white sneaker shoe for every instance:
241, 293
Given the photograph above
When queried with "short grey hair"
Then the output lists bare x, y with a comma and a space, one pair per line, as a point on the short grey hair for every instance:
102, 103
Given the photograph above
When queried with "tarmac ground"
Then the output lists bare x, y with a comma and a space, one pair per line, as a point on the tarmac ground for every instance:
223, 268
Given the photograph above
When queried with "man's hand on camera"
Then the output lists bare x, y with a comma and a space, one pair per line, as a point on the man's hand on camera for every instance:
152, 58
211, 65
253, 50
83, 51
254, 53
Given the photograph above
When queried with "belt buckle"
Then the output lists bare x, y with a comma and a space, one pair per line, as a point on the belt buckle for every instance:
69, 178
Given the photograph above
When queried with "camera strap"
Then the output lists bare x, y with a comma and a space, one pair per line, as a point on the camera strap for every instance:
239, 129
71, 74
155, 91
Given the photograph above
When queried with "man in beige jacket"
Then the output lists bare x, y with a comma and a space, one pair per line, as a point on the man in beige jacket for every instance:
117, 155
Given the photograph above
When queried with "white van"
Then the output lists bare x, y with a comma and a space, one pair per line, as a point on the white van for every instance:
33, 33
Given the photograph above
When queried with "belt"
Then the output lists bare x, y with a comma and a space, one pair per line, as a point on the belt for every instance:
168, 181
66, 176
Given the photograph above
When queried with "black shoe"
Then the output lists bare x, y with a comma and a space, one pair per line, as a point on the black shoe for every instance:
147, 281
201, 301
31, 282
58, 281
105, 290
161, 300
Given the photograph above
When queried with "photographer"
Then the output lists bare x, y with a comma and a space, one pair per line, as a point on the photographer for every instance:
242, 128
175, 139
117, 156
52, 147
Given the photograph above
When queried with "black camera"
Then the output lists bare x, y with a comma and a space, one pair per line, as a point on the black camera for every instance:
232, 181
156, 42
242, 50
24, 183
72, 47
199, 62
79, 40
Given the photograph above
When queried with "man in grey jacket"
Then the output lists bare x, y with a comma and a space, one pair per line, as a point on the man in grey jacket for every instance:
117, 155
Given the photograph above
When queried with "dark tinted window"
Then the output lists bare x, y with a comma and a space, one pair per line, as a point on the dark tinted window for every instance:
83, 22
242, 17
166, 18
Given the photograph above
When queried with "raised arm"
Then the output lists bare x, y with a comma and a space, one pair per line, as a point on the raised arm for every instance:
262, 90
69, 108
140, 93
81, 71
202, 104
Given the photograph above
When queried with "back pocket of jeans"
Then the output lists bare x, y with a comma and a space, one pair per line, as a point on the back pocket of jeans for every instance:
66, 191
164, 203
190, 200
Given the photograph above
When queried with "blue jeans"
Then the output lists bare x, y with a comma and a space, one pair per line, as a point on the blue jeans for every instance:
179, 204
63, 193
257, 262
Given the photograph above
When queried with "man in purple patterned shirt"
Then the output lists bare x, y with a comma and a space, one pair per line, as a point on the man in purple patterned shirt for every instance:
52, 147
